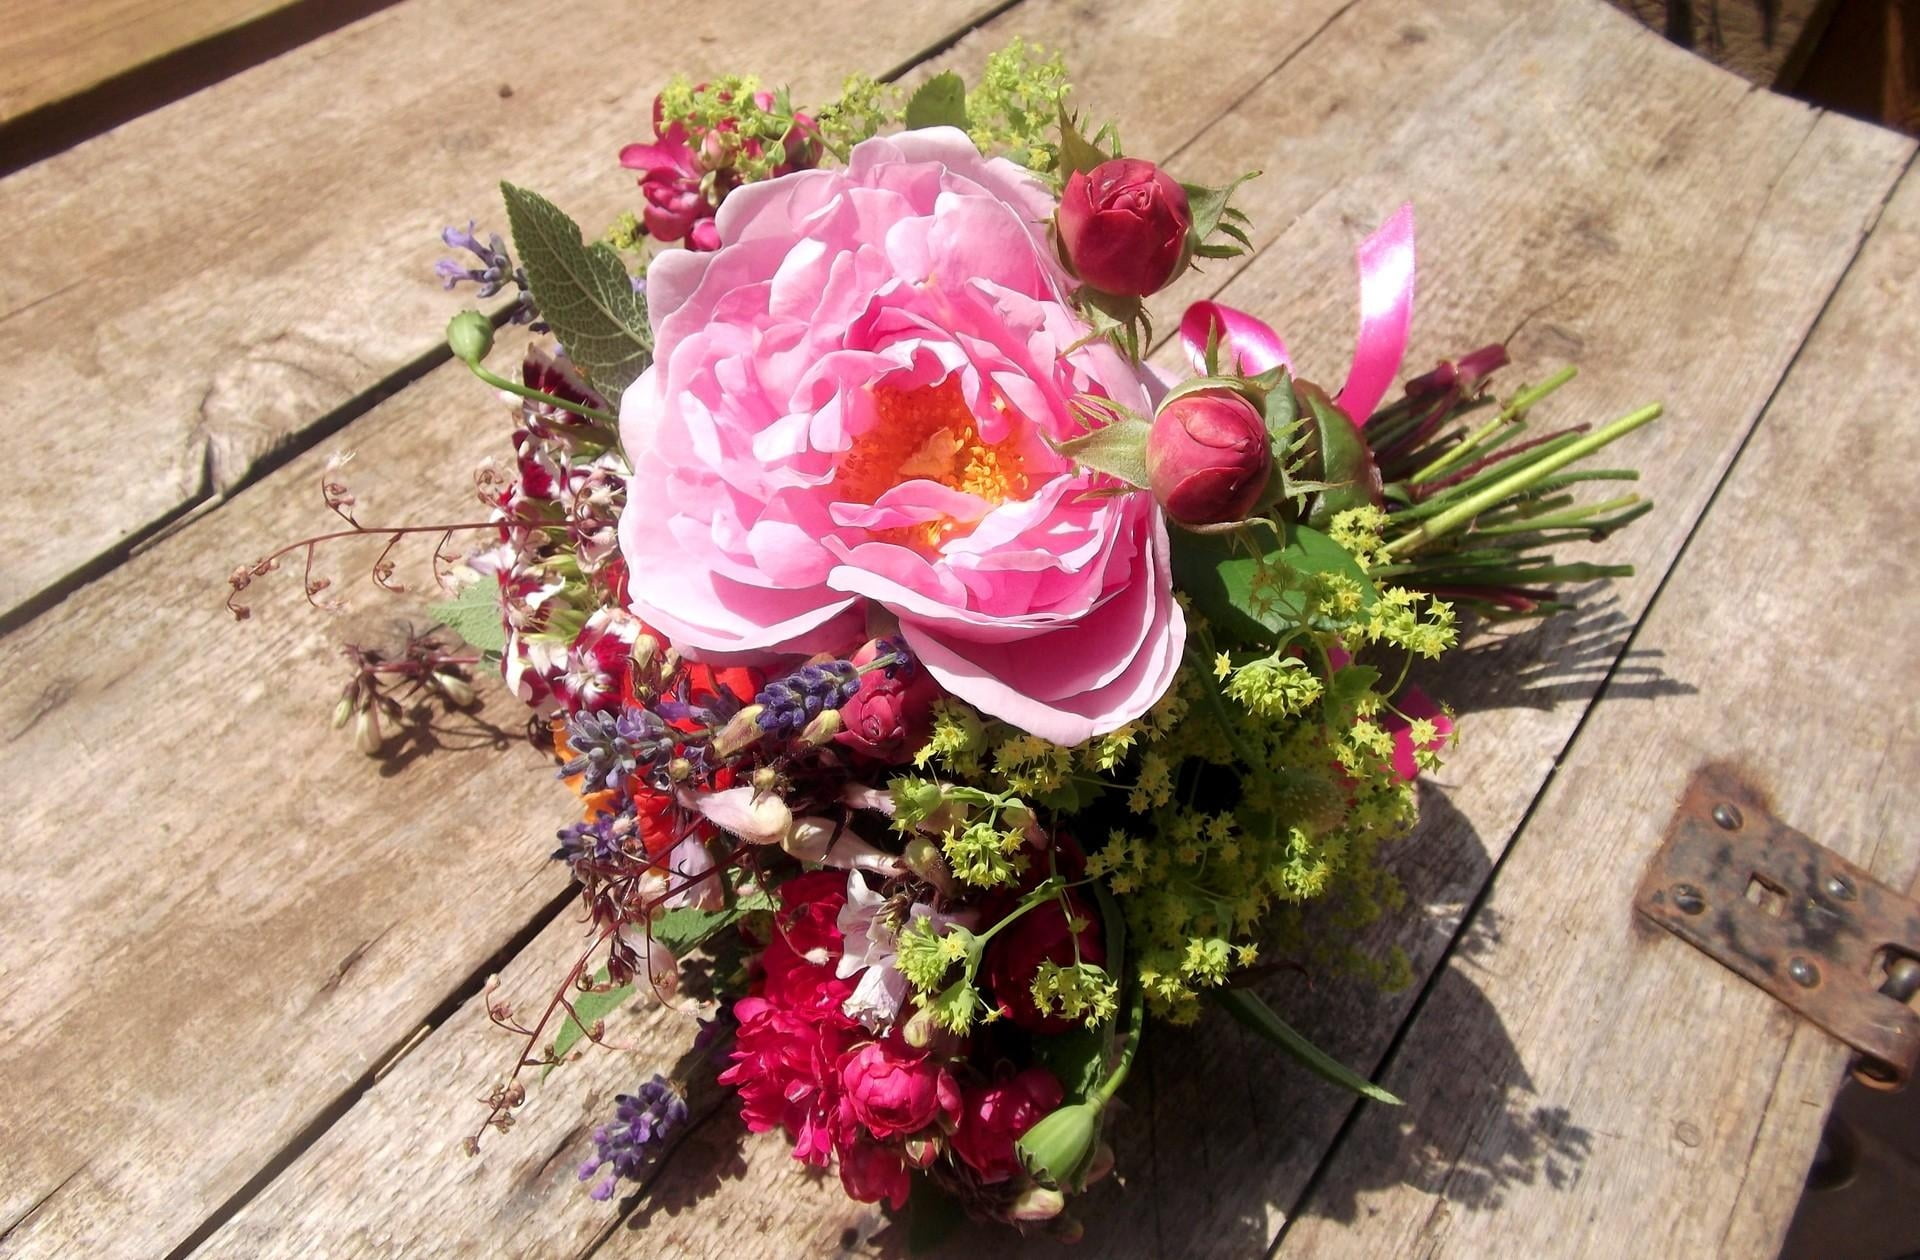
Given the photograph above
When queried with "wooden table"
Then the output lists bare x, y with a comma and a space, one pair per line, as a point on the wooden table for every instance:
240, 964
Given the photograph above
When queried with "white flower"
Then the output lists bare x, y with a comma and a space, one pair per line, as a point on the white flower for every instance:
870, 945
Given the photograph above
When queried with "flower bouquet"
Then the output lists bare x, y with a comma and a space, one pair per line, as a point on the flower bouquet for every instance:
966, 693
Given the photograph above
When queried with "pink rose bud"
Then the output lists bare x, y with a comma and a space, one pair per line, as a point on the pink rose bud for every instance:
1208, 457
895, 1091
1124, 226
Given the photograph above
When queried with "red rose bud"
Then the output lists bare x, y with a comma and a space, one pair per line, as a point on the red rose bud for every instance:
1208, 457
1043, 934
892, 713
1124, 226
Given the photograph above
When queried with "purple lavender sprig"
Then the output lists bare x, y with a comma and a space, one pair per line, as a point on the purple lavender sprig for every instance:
642, 1122
789, 703
495, 272
609, 747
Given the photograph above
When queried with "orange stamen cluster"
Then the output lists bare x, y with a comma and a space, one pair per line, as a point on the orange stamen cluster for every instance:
929, 434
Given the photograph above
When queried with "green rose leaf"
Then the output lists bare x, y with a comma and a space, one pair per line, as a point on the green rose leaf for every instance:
583, 291
939, 102
1246, 1007
1221, 582
474, 615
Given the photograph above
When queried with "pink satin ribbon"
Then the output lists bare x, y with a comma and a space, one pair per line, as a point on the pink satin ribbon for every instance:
1386, 264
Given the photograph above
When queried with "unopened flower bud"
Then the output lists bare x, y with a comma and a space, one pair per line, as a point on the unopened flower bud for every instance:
679, 770
1059, 1150
922, 1151
822, 728
765, 779
366, 731
919, 1031
740, 732
470, 336
1037, 1203
1124, 225
809, 838
342, 712
924, 859
1208, 457
456, 689
645, 648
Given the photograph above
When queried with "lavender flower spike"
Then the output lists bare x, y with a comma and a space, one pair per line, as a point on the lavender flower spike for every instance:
642, 1122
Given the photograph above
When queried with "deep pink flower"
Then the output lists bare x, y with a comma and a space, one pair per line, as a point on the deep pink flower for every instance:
1208, 457
993, 1117
853, 400
871, 1172
892, 713
894, 1091
1043, 934
677, 206
1124, 226
783, 1069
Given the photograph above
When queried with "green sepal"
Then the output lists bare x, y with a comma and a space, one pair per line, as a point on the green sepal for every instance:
1247, 1008
474, 615
1211, 214
584, 292
1118, 449
1219, 579
1077, 153
939, 102
1341, 460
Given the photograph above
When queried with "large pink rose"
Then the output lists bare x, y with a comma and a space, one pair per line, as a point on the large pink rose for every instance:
850, 404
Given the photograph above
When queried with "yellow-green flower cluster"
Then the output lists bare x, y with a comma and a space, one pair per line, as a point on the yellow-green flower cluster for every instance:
1014, 108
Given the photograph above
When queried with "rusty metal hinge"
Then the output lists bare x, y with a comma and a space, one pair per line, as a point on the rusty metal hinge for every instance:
1811, 928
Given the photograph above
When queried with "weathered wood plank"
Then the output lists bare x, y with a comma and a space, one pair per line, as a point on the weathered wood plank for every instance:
192, 290
50, 50
1700, 1098
245, 917
1559, 189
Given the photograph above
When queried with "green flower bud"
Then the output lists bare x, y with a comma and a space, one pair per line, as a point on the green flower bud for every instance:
821, 729
1037, 1203
456, 689
470, 336
740, 733
342, 712
924, 859
1059, 1151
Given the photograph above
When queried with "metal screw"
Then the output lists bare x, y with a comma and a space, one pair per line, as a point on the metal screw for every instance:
1840, 887
1803, 973
1728, 816
1687, 899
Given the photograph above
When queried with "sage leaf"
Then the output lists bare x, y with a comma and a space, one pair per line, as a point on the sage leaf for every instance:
583, 291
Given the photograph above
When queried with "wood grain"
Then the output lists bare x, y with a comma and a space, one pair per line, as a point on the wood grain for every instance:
51, 50
191, 291
245, 916
1545, 195
1701, 1097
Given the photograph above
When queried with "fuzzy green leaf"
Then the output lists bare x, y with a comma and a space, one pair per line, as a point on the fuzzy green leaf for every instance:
1220, 580
583, 291
1246, 1007
686, 929
1118, 449
474, 615
939, 102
